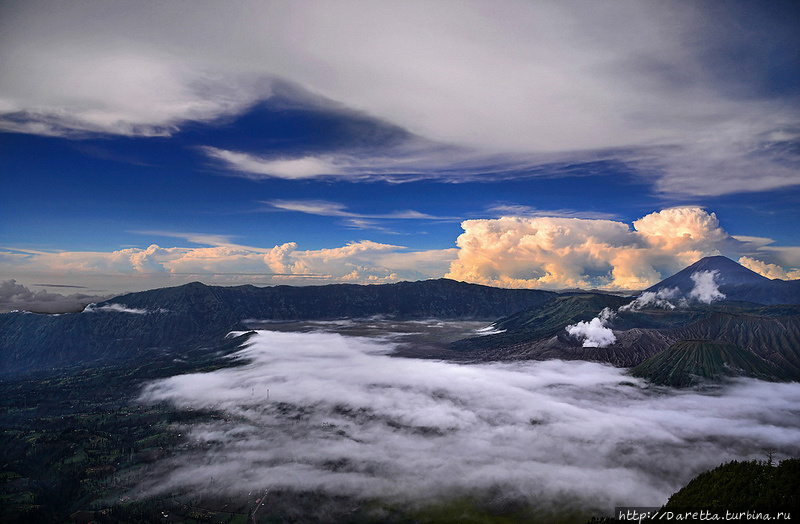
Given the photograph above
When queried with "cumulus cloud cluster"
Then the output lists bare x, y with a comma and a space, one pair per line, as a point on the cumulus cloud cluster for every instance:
513, 251
554, 76
769, 270
227, 263
551, 252
319, 411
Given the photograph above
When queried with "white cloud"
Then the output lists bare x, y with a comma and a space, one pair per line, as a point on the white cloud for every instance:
771, 271
570, 252
345, 418
357, 262
681, 228
525, 252
414, 160
518, 210
558, 253
120, 91
290, 168
115, 308
335, 209
509, 76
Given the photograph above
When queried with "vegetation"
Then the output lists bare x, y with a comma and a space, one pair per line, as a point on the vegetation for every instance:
731, 491
76, 441
767, 333
753, 485
689, 362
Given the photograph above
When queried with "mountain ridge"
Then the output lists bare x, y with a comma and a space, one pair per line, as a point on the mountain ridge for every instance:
175, 319
641, 328
530, 324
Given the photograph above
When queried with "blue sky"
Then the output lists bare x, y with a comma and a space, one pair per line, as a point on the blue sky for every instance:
519, 144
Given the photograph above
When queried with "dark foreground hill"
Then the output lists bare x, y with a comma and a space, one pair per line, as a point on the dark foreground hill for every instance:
744, 486
173, 319
750, 491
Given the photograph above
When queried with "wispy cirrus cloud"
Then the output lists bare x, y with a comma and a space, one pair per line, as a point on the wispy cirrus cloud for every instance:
194, 238
335, 209
529, 211
680, 88
288, 168
415, 160
351, 219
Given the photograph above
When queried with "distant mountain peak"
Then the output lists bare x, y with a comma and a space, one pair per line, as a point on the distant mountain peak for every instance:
730, 272
735, 281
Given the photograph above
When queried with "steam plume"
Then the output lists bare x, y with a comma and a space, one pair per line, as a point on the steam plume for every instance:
595, 333
705, 287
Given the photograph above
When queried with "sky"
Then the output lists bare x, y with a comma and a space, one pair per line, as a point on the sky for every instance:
518, 144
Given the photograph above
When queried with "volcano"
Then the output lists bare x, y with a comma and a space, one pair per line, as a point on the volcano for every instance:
735, 281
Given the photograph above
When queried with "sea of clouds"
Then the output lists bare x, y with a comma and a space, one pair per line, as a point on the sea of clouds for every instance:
337, 414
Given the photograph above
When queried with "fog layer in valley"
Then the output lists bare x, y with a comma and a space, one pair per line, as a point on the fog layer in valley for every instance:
322, 411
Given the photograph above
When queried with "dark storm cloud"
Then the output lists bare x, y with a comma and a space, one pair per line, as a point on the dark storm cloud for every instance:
15, 296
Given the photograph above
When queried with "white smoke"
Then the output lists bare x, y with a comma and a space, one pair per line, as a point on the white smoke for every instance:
595, 333
659, 299
489, 330
705, 287
322, 412
119, 308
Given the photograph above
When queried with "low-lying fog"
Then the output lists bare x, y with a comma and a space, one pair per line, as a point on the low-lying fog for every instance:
322, 411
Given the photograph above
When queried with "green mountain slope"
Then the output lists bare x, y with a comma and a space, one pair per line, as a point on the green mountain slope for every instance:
687, 362
543, 320
770, 333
